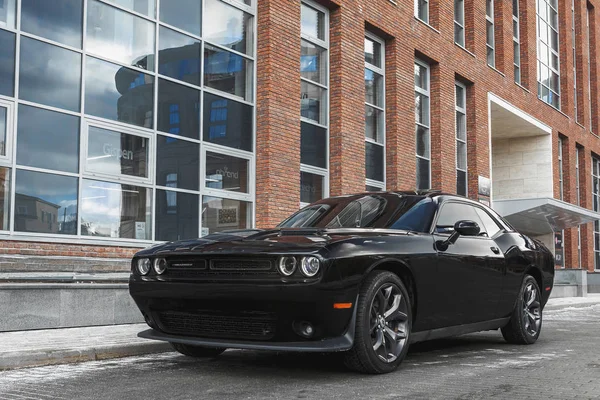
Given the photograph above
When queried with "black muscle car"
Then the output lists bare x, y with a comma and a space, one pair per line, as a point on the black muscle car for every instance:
365, 274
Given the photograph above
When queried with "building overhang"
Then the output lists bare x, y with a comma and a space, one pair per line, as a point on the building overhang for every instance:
540, 216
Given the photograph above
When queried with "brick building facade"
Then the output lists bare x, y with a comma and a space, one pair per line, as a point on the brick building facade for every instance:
458, 96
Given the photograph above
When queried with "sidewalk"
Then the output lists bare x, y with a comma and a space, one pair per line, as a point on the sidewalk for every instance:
60, 346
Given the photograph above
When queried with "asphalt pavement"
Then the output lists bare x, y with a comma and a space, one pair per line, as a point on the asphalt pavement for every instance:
563, 364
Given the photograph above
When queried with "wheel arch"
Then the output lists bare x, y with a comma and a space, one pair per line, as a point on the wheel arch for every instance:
536, 272
403, 271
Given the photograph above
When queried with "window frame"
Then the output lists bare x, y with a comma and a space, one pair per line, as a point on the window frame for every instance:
551, 51
463, 111
6, 159
324, 172
560, 168
596, 207
492, 45
416, 11
381, 108
459, 25
516, 18
426, 93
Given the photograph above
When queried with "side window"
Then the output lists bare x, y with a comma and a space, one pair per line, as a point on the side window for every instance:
451, 213
490, 226
417, 218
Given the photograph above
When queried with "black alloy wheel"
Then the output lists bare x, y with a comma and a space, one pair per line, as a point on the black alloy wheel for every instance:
197, 351
525, 324
383, 323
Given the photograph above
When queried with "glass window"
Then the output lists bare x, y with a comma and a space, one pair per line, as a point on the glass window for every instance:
422, 10
548, 53
227, 172
47, 139
179, 56
118, 93
423, 139
373, 88
3, 129
313, 62
374, 161
313, 22
313, 102
417, 218
58, 20
374, 124
4, 198
451, 213
45, 203
116, 210
461, 138
8, 13
227, 122
228, 26
311, 187
178, 109
313, 145
358, 213
118, 35
177, 163
145, 7
490, 227
370, 188
50, 75
176, 215
227, 72
307, 217
117, 153
459, 22
373, 53
224, 214
7, 63
183, 14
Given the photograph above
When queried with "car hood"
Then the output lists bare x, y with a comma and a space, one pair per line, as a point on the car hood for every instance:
257, 241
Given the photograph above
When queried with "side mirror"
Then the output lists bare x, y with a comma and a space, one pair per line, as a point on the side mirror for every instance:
467, 228
461, 228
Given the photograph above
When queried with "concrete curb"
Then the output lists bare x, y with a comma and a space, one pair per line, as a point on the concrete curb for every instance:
25, 359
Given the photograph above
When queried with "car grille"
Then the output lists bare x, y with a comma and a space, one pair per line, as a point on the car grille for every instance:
245, 325
220, 269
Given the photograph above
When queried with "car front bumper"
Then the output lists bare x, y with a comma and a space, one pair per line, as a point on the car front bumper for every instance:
247, 316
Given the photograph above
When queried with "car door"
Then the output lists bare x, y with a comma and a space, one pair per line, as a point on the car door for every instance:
471, 269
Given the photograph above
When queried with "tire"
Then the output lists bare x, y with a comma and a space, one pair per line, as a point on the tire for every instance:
197, 351
375, 351
525, 322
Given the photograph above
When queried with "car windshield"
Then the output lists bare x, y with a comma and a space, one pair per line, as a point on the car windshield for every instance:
361, 211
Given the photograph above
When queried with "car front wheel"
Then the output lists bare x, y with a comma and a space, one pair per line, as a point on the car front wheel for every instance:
526, 321
383, 324
197, 351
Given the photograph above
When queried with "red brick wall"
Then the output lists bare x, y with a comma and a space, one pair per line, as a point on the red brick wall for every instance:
65, 250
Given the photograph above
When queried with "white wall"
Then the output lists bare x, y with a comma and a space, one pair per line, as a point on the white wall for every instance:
522, 167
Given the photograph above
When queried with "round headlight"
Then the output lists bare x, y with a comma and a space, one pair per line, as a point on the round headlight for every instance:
310, 266
287, 265
160, 266
143, 266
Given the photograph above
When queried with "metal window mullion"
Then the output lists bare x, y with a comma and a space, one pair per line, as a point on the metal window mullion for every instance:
127, 10
322, 86
221, 47
374, 106
51, 42
227, 96
16, 88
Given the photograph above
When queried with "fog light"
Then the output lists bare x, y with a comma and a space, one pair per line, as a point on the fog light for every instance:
287, 265
160, 266
143, 266
304, 329
310, 266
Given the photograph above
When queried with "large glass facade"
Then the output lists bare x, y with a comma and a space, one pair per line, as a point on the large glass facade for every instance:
126, 119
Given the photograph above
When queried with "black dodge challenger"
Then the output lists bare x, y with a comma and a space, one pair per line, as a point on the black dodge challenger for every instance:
365, 274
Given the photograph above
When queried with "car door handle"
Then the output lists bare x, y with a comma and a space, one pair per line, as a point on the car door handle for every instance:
495, 250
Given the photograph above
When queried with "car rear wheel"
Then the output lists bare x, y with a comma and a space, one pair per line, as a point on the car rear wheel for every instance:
526, 321
197, 351
383, 324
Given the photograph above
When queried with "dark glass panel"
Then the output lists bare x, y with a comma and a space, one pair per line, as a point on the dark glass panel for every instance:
374, 161
227, 122
183, 14
177, 163
313, 62
178, 109
313, 103
179, 56
227, 72
145, 7
311, 187
47, 139
117, 153
115, 210
461, 183
7, 63
45, 203
8, 13
227, 172
3, 129
118, 93
58, 20
313, 145
423, 181
50, 75
5, 187
176, 215
373, 52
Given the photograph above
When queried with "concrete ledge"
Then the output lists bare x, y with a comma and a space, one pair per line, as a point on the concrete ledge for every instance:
560, 291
